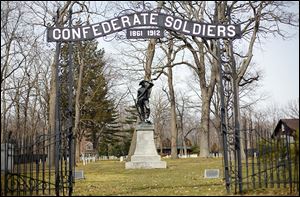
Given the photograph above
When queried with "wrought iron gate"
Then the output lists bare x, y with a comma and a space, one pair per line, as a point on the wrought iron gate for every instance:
43, 163
29, 168
269, 161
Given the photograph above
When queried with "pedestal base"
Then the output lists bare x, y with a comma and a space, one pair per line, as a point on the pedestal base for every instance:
145, 155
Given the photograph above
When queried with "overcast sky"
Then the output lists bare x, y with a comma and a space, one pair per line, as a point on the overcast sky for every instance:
279, 60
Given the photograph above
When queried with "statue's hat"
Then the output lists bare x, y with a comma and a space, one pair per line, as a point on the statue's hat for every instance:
142, 82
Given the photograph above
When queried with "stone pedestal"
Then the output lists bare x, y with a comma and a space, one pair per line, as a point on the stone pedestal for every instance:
145, 154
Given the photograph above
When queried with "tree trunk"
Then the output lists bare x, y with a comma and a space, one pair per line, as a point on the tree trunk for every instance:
79, 147
3, 112
20, 133
219, 132
184, 148
174, 131
157, 128
77, 109
52, 104
204, 128
149, 59
182, 151
237, 132
161, 146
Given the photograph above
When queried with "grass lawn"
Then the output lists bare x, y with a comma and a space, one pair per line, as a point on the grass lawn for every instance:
182, 177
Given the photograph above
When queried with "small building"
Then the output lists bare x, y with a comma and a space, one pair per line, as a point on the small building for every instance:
86, 148
180, 148
286, 127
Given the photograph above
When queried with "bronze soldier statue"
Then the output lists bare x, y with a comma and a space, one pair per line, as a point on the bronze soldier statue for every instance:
143, 96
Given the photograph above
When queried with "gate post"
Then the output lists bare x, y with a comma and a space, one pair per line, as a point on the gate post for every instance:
57, 112
70, 135
223, 123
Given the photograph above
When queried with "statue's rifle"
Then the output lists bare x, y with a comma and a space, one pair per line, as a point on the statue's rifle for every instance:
135, 103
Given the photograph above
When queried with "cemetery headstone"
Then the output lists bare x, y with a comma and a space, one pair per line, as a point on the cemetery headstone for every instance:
79, 174
211, 173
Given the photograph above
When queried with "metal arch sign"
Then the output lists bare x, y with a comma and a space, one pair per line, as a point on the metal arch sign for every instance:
143, 19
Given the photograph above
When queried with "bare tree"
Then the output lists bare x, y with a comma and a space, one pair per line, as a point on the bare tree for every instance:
23, 63
160, 114
258, 20
185, 120
291, 110
171, 55
11, 59
198, 49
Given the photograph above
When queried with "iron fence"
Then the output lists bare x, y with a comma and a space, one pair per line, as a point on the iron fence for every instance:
268, 161
28, 167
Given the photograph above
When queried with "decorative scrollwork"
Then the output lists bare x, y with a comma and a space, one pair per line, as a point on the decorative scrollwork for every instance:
143, 6
109, 38
124, 12
76, 22
22, 184
118, 36
139, 7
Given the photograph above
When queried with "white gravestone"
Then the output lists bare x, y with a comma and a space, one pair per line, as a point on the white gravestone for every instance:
79, 174
145, 155
211, 173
